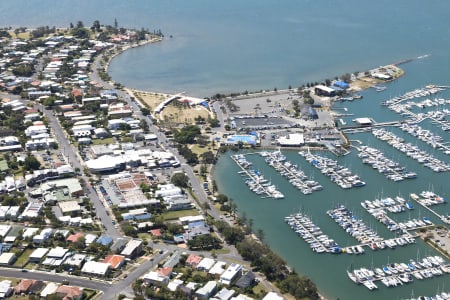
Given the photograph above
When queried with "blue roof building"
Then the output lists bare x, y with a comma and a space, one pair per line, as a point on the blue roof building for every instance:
105, 240
341, 84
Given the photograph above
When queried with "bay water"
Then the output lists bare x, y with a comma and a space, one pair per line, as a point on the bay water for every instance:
231, 46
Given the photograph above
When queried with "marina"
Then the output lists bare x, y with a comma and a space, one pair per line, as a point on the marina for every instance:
291, 172
392, 170
255, 180
387, 226
398, 274
412, 151
312, 234
434, 140
338, 174
353, 226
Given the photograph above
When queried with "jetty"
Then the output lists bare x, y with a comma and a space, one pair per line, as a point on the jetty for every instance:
398, 274
376, 159
428, 199
312, 234
340, 175
256, 181
291, 172
421, 156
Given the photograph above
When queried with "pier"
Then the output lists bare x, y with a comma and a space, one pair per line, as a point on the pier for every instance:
398, 274
427, 207
286, 169
383, 165
256, 182
312, 234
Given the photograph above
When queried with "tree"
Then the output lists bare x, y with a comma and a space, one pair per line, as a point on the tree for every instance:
96, 26
208, 157
31, 163
180, 180
187, 134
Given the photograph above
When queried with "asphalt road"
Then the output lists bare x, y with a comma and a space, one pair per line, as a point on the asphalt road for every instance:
46, 276
73, 158
110, 291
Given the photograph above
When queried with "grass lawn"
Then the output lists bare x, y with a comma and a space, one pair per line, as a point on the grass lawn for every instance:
260, 289
21, 260
173, 215
222, 251
145, 236
200, 150
89, 293
102, 142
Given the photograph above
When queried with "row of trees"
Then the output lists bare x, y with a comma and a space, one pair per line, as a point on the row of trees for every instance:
263, 259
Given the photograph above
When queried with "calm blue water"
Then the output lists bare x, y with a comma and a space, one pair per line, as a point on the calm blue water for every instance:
235, 45
227, 46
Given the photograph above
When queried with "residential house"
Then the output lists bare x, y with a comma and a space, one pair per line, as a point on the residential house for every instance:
50, 289
43, 236
94, 268
206, 264
132, 249
75, 260
231, 274
207, 290
193, 260
7, 258
224, 294
68, 292
246, 280
23, 287
116, 261
37, 255
273, 296
5, 289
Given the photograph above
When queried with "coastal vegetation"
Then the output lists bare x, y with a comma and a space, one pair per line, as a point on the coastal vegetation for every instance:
264, 260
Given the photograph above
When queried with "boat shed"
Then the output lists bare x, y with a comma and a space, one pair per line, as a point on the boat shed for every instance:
321, 90
363, 121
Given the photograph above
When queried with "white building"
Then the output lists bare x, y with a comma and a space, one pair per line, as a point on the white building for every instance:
35, 129
132, 249
206, 291
7, 258
232, 273
5, 289
273, 296
93, 268
75, 260
206, 264
37, 255
43, 236
218, 268
4, 229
